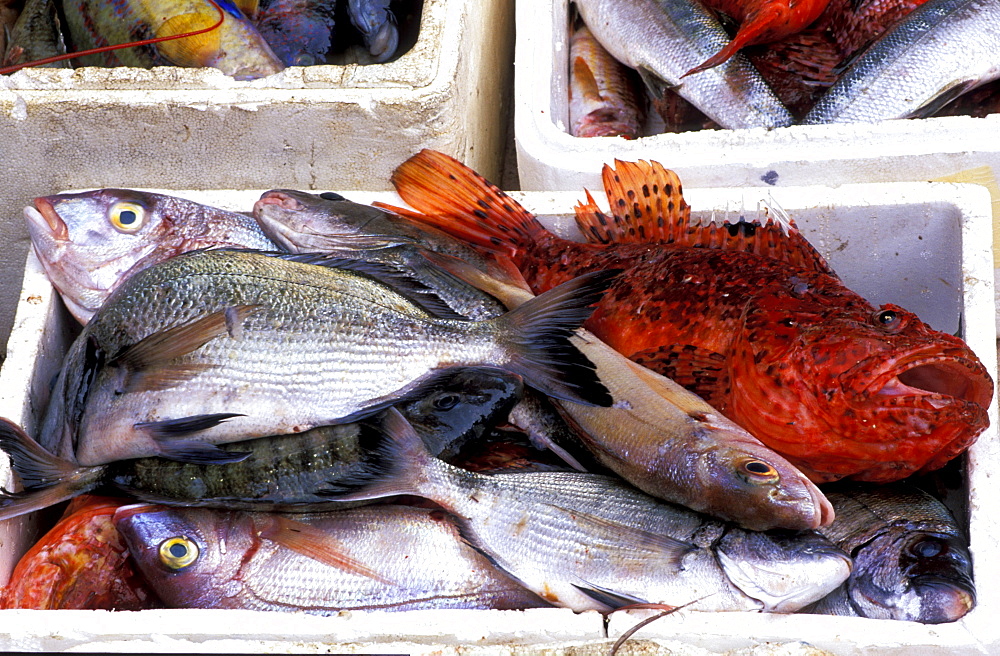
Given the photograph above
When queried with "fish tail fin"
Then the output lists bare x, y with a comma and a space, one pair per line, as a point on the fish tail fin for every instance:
454, 198
47, 479
400, 463
541, 328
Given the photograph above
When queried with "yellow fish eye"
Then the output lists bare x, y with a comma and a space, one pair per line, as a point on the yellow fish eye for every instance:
757, 470
127, 217
178, 552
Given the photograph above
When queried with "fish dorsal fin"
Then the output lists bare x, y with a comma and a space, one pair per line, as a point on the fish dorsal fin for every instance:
648, 207
193, 51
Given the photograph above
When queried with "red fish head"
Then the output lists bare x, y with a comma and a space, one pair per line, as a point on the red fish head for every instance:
854, 391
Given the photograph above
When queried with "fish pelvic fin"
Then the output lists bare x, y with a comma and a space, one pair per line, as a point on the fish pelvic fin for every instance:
455, 199
150, 360
313, 543
647, 205
47, 479
540, 329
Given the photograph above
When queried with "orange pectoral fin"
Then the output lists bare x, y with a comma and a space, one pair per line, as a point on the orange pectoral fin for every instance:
696, 369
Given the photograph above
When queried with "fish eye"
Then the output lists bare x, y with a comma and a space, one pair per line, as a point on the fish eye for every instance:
329, 195
887, 319
127, 217
446, 401
927, 548
758, 470
178, 552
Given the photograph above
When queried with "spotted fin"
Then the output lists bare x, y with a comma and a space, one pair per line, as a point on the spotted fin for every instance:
452, 197
696, 369
652, 212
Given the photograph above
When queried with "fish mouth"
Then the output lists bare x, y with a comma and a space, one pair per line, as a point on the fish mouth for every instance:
278, 198
44, 216
936, 380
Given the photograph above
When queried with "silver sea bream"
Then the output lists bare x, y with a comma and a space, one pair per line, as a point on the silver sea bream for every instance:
374, 558
591, 542
220, 346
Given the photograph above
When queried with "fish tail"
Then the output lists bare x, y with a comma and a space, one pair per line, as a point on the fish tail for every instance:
400, 463
542, 351
47, 479
454, 198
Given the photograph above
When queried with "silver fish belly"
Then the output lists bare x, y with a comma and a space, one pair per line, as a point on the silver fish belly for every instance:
939, 51
663, 39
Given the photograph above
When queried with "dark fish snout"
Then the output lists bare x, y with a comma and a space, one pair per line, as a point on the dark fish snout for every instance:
941, 600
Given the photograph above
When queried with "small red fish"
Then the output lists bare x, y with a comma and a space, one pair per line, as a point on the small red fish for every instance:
82, 563
761, 21
603, 94
748, 316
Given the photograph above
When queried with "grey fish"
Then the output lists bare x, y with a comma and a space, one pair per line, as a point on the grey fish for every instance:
302, 222
911, 559
222, 346
377, 25
664, 39
35, 35
293, 472
299, 31
939, 51
373, 558
89, 242
591, 542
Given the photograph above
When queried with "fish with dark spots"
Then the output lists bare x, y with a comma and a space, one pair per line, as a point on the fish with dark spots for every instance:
869, 393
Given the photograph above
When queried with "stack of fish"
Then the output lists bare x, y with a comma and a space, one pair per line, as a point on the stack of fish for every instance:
809, 62
246, 39
311, 403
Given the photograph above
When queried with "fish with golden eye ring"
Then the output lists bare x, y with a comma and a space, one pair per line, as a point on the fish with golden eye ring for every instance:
178, 552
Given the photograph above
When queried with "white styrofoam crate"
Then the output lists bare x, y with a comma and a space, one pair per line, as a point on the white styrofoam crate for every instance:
925, 246
549, 158
314, 127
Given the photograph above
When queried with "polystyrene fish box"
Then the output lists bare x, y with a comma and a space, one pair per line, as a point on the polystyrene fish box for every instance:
313, 127
925, 246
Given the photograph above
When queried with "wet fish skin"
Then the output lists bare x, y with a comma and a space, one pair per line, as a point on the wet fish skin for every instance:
35, 35
235, 47
911, 559
377, 25
604, 100
390, 558
129, 389
89, 242
299, 31
80, 563
940, 50
591, 542
664, 39
747, 315
291, 473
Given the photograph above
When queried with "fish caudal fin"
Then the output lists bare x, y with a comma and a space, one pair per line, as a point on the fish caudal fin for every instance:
542, 352
47, 479
647, 205
454, 198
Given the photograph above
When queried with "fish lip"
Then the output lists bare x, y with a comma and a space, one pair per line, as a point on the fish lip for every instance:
279, 198
961, 379
45, 216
